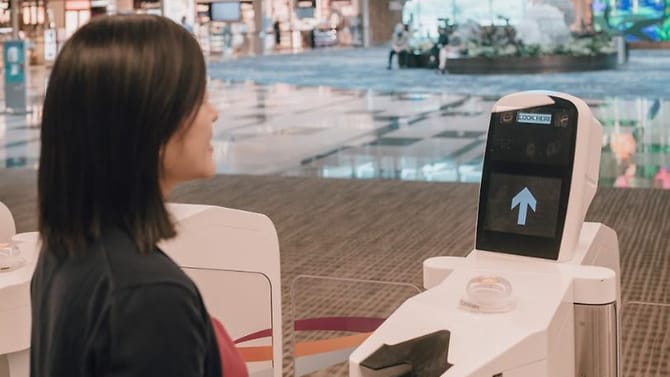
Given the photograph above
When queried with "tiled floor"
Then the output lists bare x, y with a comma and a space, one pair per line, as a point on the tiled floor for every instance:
346, 133
645, 75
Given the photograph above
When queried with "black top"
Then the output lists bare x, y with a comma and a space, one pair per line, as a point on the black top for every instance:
443, 39
116, 312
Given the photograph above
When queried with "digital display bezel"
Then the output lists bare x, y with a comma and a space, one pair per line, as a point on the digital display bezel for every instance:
515, 243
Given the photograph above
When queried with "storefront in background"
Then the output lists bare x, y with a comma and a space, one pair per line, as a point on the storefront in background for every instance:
221, 26
77, 13
231, 27
249, 26
638, 20
641, 21
180, 11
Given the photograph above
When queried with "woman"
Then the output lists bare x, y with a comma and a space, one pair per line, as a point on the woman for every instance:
126, 117
450, 50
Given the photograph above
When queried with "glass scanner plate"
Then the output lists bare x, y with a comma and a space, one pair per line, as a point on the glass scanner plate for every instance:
332, 316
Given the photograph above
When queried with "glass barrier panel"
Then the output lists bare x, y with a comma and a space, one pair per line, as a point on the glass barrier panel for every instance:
645, 340
332, 316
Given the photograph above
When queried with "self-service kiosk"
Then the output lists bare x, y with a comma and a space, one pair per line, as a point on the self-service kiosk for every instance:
539, 296
232, 256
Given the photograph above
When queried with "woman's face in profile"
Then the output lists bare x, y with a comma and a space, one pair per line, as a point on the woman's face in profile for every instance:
188, 153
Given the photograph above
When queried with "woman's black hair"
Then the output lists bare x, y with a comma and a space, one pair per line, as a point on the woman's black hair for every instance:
119, 89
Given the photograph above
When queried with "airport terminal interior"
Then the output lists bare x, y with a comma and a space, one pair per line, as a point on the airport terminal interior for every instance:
367, 172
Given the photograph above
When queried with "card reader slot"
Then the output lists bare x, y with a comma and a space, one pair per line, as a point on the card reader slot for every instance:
424, 356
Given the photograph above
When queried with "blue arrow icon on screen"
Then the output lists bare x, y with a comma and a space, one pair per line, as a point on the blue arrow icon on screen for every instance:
524, 199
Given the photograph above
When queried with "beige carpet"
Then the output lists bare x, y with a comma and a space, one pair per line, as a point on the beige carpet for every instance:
383, 230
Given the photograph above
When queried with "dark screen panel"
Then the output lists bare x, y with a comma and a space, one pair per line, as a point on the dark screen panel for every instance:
526, 180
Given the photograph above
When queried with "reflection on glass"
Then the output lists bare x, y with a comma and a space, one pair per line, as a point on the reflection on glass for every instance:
330, 133
636, 149
662, 178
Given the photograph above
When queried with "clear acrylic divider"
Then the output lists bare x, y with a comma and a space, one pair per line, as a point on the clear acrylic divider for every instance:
645, 339
332, 316
241, 303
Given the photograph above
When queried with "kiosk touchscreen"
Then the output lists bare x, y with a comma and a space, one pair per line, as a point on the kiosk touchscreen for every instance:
530, 165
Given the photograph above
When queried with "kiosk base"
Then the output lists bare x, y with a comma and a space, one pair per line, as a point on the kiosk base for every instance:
562, 321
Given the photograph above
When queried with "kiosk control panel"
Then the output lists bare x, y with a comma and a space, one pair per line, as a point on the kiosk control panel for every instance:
527, 177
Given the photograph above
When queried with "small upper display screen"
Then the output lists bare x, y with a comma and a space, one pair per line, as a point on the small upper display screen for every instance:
533, 118
526, 180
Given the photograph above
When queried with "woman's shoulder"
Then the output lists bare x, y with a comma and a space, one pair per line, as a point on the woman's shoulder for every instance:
129, 268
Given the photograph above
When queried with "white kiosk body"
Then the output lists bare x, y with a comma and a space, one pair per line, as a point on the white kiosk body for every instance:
17, 263
231, 255
539, 296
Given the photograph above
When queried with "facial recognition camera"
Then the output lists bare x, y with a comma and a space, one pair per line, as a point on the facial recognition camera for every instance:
539, 295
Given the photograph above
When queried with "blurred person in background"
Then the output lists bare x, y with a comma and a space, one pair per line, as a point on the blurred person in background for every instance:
399, 46
450, 50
